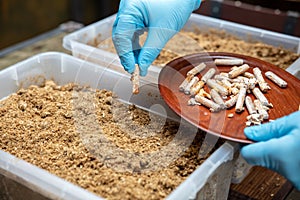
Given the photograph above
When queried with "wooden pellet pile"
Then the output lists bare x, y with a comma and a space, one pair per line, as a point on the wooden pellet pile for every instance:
237, 83
49, 127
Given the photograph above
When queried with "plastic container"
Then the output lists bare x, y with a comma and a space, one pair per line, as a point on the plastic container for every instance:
295, 68
256, 14
211, 180
77, 42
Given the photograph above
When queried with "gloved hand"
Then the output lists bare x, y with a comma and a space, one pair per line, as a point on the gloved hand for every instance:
164, 18
278, 147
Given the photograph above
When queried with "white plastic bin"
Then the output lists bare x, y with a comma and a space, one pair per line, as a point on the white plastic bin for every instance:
210, 180
77, 42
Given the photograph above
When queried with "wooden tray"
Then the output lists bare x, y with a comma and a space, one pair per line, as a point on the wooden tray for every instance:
284, 100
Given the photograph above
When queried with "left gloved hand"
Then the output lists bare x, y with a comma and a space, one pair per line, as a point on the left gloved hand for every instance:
278, 147
163, 18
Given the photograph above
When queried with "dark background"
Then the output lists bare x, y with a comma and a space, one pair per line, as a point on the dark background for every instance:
277, 4
21, 20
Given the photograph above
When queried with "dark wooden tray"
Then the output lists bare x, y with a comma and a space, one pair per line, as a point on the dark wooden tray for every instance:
285, 101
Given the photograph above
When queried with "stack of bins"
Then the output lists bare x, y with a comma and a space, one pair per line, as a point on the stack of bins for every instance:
211, 180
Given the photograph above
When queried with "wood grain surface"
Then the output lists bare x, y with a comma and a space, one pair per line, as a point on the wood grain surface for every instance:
284, 100
261, 183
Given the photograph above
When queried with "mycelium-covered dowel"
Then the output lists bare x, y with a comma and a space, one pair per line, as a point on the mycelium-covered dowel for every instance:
263, 85
217, 98
196, 88
239, 106
231, 102
184, 83
229, 61
193, 102
250, 105
187, 89
238, 71
213, 107
135, 78
276, 79
196, 69
219, 88
261, 97
208, 75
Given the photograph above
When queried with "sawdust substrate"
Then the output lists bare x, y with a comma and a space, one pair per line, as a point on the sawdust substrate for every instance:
54, 128
196, 41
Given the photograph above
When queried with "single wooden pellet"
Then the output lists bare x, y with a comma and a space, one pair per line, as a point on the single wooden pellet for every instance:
219, 88
224, 74
135, 78
226, 84
217, 98
229, 61
263, 85
239, 106
252, 83
248, 75
183, 85
238, 71
196, 69
208, 75
193, 102
187, 89
231, 102
214, 107
250, 106
234, 68
261, 97
276, 79
243, 79
220, 77
235, 80
196, 88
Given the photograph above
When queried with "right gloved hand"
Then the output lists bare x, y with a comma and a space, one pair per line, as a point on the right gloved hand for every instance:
163, 18
278, 147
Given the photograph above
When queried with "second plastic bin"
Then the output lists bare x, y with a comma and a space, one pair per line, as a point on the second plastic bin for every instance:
78, 42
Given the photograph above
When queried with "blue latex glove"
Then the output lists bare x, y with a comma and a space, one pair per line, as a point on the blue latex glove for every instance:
164, 18
278, 147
